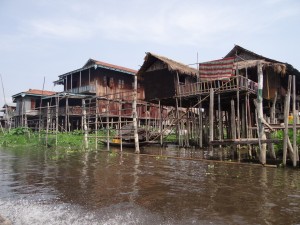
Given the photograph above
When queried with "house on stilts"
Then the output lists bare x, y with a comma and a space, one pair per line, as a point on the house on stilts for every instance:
221, 96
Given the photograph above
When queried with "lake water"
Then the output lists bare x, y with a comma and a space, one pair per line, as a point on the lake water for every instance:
95, 187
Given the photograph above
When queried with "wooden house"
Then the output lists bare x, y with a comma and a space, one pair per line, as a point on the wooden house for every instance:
28, 104
161, 78
7, 118
275, 76
275, 72
107, 90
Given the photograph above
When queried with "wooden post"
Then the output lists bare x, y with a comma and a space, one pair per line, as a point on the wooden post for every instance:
243, 121
85, 125
238, 108
134, 115
177, 122
211, 116
286, 121
232, 120
200, 124
294, 124
120, 125
56, 119
220, 115
66, 114
147, 123
96, 121
273, 108
107, 125
160, 124
261, 131
48, 121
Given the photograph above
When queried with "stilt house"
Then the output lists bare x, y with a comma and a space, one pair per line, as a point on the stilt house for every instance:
162, 77
28, 105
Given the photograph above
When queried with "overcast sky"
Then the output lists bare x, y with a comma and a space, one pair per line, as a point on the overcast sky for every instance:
46, 38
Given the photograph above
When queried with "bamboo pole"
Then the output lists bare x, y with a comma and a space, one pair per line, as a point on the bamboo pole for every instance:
232, 120
238, 108
273, 115
219, 115
286, 121
40, 111
211, 116
160, 124
96, 122
47, 126
66, 114
85, 125
107, 125
200, 124
294, 124
134, 115
261, 131
177, 123
56, 119
120, 126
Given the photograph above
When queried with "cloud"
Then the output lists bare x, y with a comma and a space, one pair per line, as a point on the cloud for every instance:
63, 29
168, 22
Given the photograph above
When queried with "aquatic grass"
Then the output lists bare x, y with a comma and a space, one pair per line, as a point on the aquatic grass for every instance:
279, 135
69, 140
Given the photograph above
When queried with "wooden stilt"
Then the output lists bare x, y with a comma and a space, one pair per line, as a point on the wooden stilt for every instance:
260, 118
48, 123
286, 121
295, 161
211, 116
134, 115
56, 119
200, 124
120, 125
220, 118
85, 125
66, 114
96, 122
107, 125
232, 120
272, 115
177, 123
160, 124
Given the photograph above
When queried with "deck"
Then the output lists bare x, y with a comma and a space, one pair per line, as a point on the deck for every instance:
223, 86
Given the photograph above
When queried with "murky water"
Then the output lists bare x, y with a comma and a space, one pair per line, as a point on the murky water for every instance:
70, 187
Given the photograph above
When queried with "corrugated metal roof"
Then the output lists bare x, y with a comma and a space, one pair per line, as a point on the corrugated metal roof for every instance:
92, 63
35, 92
112, 66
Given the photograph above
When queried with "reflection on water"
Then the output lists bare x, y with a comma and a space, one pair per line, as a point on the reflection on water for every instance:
69, 187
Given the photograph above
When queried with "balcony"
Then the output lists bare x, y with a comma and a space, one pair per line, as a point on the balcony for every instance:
88, 89
231, 85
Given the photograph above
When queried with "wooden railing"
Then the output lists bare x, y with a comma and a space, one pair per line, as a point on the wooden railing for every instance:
232, 84
83, 89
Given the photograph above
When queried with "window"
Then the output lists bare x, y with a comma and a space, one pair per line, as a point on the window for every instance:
181, 79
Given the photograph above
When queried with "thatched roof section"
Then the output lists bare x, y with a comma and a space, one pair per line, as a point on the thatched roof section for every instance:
170, 64
242, 52
279, 68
